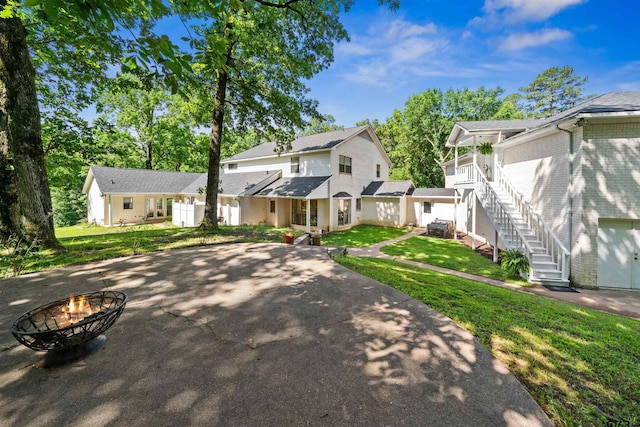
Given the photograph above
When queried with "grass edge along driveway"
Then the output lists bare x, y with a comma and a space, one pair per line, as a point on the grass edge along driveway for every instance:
580, 365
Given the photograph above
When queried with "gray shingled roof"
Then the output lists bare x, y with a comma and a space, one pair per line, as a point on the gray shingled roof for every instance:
434, 193
246, 183
144, 181
321, 141
500, 125
292, 187
388, 189
342, 195
612, 102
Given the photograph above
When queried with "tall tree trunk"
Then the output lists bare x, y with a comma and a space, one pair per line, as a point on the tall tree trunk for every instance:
20, 118
213, 177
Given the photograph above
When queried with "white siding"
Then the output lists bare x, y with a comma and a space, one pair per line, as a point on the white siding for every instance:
539, 169
385, 211
312, 164
95, 205
364, 158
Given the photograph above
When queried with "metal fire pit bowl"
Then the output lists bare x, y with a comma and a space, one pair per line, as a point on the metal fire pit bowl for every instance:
46, 329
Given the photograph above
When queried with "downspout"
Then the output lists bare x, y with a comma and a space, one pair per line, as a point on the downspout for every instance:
110, 212
570, 189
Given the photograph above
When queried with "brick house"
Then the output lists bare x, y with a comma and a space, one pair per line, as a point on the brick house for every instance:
565, 190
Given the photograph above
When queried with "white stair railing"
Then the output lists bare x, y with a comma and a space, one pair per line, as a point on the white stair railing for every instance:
550, 242
503, 222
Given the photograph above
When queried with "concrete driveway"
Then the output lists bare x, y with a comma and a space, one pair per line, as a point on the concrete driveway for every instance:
254, 334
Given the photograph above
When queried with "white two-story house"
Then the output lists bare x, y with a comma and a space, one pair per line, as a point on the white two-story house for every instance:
328, 181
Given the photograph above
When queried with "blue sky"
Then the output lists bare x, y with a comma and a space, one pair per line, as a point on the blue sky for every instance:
472, 43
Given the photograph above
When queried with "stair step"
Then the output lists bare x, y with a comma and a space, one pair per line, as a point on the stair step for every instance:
544, 266
541, 258
547, 274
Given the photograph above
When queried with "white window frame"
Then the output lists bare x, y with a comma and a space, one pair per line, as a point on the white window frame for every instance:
128, 205
345, 164
295, 164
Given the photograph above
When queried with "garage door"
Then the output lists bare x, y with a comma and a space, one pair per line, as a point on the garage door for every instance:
618, 254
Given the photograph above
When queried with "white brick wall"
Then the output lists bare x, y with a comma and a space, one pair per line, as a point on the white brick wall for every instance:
607, 186
540, 170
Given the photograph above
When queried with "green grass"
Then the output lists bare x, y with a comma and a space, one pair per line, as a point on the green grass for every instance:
361, 236
84, 245
449, 254
580, 365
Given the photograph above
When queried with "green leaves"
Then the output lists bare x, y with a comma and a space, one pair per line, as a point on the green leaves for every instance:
554, 90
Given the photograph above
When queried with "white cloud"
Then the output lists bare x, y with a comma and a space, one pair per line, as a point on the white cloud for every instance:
511, 11
538, 38
352, 48
413, 49
390, 51
399, 29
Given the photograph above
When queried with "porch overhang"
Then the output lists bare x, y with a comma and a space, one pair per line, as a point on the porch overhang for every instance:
294, 188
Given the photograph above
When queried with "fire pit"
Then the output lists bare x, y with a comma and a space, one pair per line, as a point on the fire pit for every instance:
70, 328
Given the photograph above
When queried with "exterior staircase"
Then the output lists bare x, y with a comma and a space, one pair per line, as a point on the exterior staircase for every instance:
520, 227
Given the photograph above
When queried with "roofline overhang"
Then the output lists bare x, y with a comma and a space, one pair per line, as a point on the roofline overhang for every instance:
566, 123
274, 156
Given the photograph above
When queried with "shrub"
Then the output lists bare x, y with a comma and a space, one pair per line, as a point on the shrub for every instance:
514, 261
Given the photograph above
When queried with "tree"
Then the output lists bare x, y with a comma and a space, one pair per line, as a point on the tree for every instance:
162, 126
416, 137
68, 34
554, 90
259, 52
321, 124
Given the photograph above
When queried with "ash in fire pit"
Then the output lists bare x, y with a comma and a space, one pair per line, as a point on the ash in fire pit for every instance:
71, 328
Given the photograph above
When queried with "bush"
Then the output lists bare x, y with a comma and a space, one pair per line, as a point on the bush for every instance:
514, 261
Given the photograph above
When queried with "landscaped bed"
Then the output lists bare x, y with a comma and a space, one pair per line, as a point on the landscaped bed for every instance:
580, 365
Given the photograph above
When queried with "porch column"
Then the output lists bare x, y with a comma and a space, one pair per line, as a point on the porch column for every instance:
473, 219
495, 246
455, 164
307, 227
495, 160
110, 212
455, 211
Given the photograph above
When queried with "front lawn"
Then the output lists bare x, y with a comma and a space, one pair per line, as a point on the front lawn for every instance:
580, 365
361, 236
100, 243
448, 254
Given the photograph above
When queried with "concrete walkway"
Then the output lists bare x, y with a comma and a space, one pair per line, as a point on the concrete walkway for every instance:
254, 335
621, 302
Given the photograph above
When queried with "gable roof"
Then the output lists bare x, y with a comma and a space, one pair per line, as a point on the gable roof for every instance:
145, 181
611, 103
303, 144
142, 181
246, 183
309, 144
299, 187
388, 189
435, 193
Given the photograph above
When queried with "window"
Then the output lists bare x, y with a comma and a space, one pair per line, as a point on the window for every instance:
233, 166
344, 212
272, 206
295, 164
299, 211
358, 204
159, 204
426, 207
377, 171
127, 203
345, 164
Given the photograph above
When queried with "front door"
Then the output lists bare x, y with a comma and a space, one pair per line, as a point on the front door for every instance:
619, 254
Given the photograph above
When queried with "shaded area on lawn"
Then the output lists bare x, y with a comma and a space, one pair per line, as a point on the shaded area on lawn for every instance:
362, 236
116, 242
450, 254
579, 364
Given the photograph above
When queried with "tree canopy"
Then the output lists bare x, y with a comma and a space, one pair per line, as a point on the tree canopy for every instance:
554, 90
